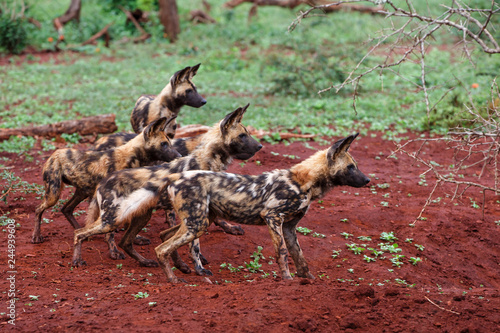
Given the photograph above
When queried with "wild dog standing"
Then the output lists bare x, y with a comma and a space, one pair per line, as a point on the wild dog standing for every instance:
179, 91
84, 169
278, 199
128, 197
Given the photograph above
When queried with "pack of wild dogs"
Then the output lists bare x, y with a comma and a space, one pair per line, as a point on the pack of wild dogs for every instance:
129, 175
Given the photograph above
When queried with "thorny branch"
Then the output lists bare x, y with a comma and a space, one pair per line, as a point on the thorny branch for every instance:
476, 143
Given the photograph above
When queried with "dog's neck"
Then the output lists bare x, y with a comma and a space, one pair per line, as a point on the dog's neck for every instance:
168, 105
312, 175
213, 156
132, 154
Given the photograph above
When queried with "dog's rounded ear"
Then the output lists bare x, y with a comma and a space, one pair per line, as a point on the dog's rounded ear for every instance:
193, 71
341, 146
180, 77
230, 120
170, 127
154, 127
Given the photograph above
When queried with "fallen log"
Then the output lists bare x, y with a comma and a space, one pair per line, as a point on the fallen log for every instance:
102, 124
193, 130
190, 131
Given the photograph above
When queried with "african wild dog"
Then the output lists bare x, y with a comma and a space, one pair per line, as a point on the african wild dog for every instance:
278, 199
178, 92
84, 169
128, 197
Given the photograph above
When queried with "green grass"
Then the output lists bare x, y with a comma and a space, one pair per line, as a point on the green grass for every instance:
259, 62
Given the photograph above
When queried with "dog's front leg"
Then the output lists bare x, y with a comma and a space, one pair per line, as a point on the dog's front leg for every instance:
275, 223
293, 246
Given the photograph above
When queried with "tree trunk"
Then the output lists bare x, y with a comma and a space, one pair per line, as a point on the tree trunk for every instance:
101, 124
169, 17
73, 12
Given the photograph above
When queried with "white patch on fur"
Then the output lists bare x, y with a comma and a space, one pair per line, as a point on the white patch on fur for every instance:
136, 201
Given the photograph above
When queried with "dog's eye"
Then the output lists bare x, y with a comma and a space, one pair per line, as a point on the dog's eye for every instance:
188, 91
164, 144
175, 127
242, 135
351, 167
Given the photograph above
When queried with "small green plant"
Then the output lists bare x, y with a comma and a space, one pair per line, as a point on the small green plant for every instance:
391, 248
231, 268
375, 252
119, 266
318, 235
344, 220
254, 265
355, 248
368, 259
383, 186
365, 238
388, 236
414, 260
303, 230
141, 294
384, 203
396, 260
419, 247
152, 303
346, 235
336, 253
34, 298
474, 204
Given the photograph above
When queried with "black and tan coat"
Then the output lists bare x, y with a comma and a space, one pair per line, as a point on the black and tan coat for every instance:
128, 197
178, 92
278, 199
85, 169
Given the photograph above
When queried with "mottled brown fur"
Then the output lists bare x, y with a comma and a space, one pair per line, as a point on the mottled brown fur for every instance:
84, 169
278, 199
178, 92
126, 198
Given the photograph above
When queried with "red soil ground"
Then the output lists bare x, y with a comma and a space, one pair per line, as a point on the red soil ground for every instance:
455, 287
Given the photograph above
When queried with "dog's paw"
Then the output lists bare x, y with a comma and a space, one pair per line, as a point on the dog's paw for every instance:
204, 272
37, 239
116, 255
149, 263
177, 280
78, 263
183, 267
139, 240
230, 229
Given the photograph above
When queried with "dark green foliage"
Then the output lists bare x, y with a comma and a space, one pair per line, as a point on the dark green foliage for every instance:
13, 35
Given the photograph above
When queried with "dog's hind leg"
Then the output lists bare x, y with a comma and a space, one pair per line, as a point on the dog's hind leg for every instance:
163, 251
114, 253
126, 243
293, 246
195, 255
52, 194
275, 224
70, 206
82, 234
176, 258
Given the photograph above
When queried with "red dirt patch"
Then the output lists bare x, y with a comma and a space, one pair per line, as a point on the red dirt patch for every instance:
454, 288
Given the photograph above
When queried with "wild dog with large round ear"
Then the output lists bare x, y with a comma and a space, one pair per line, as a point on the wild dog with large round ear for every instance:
179, 91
